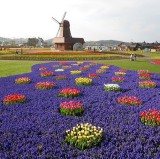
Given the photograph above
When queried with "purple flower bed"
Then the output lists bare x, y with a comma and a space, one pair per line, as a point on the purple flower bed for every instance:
36, 129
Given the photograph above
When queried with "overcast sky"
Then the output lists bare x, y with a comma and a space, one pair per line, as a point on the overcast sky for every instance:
125, 20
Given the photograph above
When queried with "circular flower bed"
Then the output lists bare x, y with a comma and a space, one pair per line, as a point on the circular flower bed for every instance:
44, 85
71, 108
42, 68
63, 63
59, 70
75, 72
23, 80
84, 136
93, 75
117, 79
147, 84
100, 71
46, 74
150, 117
61, 78
129, 100
104, 67
69, 92
145, 76
120, 73
123, 70
66, 67
143, 71
112, 87
83, 81
14, 98
83, 69
80, 62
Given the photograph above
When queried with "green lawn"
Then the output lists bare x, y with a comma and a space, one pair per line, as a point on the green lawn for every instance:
140, 64
8, 68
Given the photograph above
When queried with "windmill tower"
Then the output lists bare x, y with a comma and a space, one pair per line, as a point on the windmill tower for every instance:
63, 39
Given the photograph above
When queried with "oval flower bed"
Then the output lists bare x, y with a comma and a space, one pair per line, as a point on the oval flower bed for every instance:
46, 74
112, 87
14, 98
147, 84
100, 71
69, 92
120, 73
145, 76
23, 80
44, 85
83, 81
143, 71
117, 79
84, 136
66, 67
75, 72
71, 108
61, 77
129, 100
104, 67
42, 68
150, 117
93, 75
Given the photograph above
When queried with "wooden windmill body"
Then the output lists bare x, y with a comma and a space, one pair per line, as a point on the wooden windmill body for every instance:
64, 39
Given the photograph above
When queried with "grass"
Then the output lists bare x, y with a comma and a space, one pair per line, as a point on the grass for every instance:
134, 65
8, 68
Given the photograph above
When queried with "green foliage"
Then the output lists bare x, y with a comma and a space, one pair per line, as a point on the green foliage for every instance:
74, 112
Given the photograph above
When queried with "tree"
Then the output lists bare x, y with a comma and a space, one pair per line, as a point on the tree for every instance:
32, 42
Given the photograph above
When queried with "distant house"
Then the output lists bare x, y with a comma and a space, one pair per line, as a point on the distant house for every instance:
123, 46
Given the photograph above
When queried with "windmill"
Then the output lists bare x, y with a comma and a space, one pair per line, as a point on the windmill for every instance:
63, 39
64, 27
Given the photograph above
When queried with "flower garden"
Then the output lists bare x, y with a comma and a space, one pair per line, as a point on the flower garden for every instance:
71, 114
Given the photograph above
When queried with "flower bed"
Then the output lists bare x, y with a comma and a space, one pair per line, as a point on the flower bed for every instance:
112, 87
150, 117
46, 74
59, 70
143, 71
66, 67
71, 108
36, 129
104, 67
129, 100
69, 92
84, 136
23, 80
14, 98
120, 73
145, 76
42, 68
83, 69
156, 61
83, 81
100, 71
147, 84
44, 85
61, 77
117, 79
75, 72
93, 75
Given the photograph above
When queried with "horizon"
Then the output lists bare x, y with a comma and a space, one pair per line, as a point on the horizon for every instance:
92, 20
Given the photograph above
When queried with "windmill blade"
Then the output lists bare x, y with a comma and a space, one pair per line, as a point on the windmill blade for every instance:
57, 32
56, 20
64, 16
